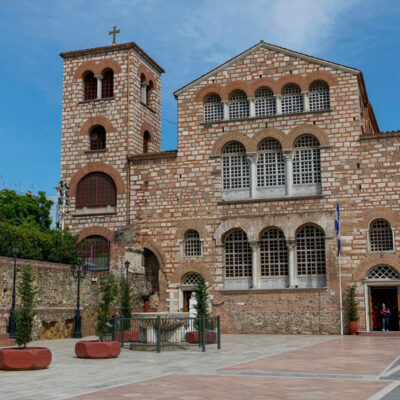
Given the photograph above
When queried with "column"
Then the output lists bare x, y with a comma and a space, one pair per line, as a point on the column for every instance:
252, 159
252, 106
291, 244
278, 104
306, 100
143, 92
255, 262
226, 110
99, 88
288, 155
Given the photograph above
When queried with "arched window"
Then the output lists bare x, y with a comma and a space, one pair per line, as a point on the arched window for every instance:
90, 86
238, 105
107, 84
95, 252
191, 279
146, 140
235, 167
380, 236
270, 164
384, 272
306, 163
274, 253
310, 249
149, 92
237, 255
319, 96
96, 190
265, 102
213, 108
143, 89
292, 100
97, 138
191, 244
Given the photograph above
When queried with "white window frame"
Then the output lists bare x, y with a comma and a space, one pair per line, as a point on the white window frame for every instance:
182, 245
270, 165
319, 96
369, 249
239, 107
213, 108
235, 169
306, 163
292, 102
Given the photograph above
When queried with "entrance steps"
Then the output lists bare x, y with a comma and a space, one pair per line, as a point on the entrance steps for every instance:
380, 334
5, 340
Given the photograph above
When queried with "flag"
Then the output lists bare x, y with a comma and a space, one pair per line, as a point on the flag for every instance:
337, 228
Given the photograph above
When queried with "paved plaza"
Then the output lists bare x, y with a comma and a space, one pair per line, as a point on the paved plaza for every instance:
248, 367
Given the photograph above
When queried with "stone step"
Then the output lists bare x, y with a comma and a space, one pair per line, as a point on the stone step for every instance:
7, 342
380, 334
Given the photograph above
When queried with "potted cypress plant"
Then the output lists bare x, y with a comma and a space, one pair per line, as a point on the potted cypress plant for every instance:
352, 312
201, 294
102, 348
23, 357
125, 311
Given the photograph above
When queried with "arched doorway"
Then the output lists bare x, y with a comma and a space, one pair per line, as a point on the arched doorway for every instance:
188, 286
382, 285
152, 269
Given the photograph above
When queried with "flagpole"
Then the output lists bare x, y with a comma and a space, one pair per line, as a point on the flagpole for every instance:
340, 296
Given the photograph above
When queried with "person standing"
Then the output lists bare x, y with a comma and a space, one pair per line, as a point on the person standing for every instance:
385, 312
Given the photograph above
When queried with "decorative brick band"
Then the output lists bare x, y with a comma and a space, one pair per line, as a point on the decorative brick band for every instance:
97, 68
96, 231
97, 120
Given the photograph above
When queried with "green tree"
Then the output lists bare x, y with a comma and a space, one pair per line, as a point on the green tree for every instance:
109, 292
24, 314
125, 309
25, 210
352, 303
201, 294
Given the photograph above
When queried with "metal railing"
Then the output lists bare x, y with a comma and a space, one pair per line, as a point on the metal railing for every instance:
170, 333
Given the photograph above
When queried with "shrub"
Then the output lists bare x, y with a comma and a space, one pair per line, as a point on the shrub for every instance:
24, 314
125, 309
352, 303
109, 291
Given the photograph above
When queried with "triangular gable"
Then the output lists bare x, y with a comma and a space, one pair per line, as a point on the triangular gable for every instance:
268, 46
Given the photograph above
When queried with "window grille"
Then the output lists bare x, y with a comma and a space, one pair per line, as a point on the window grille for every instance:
319, 96
265, 103
107, 84
96, 190
95, 252
292, 100
383, 272
213, 109
270, 164
90, 86
192, 244
238, 105
98, 138
380, 236
306, 163
235, 167
191, 279
146, 140
310, 249
237, 255
274, 253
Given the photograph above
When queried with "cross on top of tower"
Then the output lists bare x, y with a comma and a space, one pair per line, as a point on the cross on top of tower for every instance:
113, 32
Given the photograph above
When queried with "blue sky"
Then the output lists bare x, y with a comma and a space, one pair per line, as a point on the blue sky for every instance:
187, 38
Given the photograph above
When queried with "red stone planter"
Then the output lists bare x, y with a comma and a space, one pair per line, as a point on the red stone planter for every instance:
96, 349
193, 337
25, 359
353, 327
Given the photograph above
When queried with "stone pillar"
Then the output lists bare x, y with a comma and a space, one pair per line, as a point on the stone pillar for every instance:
252, 106
291, 244
99, 88
226, 110
252, 159
289, 155
306, 101
278, 104
255, 260
143, 92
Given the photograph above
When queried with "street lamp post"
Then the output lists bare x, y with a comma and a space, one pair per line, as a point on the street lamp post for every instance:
127, 264
11, 321
78, 272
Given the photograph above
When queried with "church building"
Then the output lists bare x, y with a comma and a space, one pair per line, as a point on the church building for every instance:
269, 143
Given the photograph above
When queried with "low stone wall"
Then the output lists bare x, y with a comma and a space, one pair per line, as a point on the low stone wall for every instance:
56, 300
286, 311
